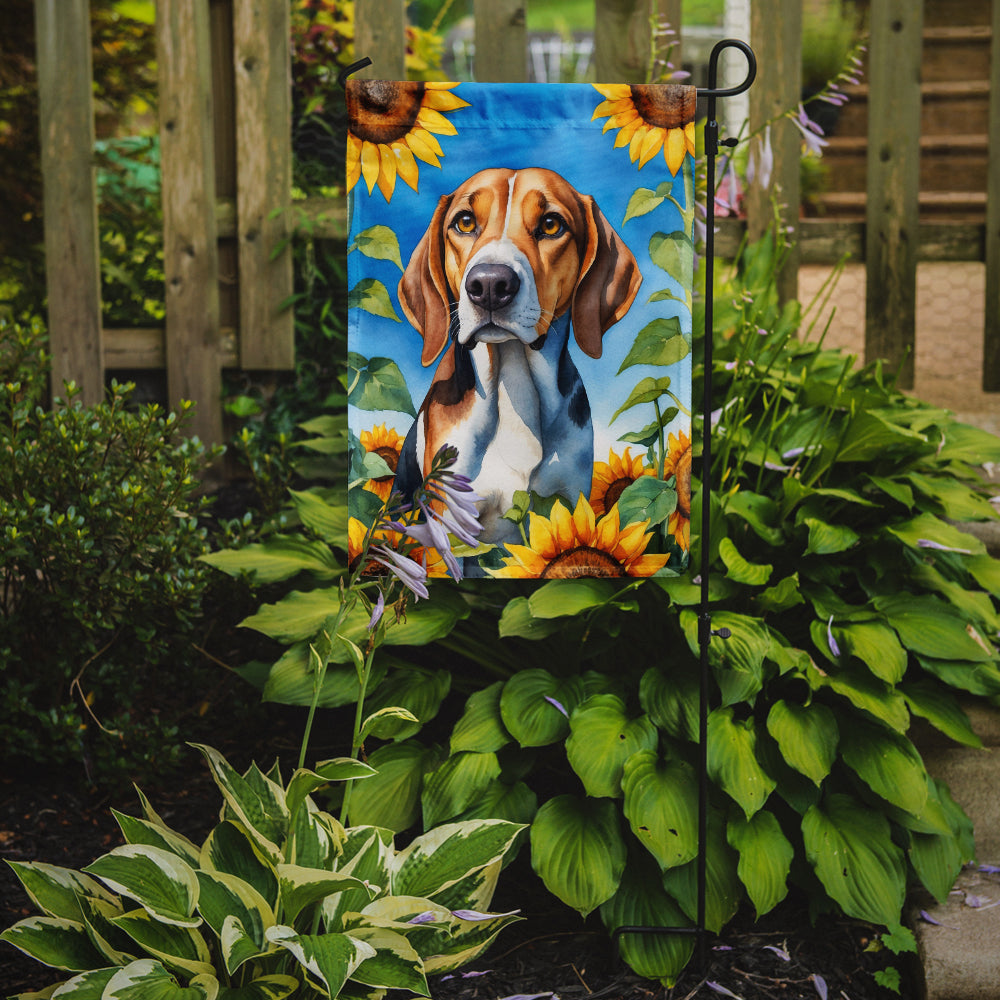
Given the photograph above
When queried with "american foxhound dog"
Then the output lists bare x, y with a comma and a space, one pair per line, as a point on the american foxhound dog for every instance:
511, 260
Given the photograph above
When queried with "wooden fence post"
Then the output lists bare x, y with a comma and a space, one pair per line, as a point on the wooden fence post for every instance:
776, 35
621, 41
501, 41
190, 251
261, 57
72, 255
893, 183
991, 332
380, 34
667, 13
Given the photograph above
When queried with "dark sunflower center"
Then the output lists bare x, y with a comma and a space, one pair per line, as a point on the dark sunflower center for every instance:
614, 491
664, 107
383, 111
582, 561
391, 458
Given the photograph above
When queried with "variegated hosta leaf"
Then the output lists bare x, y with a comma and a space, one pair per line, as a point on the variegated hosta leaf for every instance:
315, 838
274, 987
54, 941
224, 898
602, 737
661, 805
158, 880
723, 889
56, 891
850, 847
475, 891
87, 986
765, 858
481, 727
732, 760
230, 849
578, 851
149, 980
456, 784
535, 706
467, 941
116, 947
301, 887
367, 853
441, 857
807, 736
141, 831
329, 959
395, 964
304, 782
256, 801
177, 947
642, 902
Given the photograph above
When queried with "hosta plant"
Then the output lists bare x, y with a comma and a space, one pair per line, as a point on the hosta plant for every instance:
279, 900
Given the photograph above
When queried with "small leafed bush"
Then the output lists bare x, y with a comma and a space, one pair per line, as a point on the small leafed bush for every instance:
99, 575
280, 899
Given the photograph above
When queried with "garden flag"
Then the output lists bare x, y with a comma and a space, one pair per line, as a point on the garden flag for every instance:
520, 263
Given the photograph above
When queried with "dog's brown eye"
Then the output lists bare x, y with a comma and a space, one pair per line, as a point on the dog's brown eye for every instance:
465, 223
551, 225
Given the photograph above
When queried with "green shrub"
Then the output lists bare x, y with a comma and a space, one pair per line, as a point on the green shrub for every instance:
101, 584
279, 900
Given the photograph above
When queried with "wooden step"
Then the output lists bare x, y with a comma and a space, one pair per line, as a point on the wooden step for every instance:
947, 163
959, 206
945, 105
956, 53
945, 12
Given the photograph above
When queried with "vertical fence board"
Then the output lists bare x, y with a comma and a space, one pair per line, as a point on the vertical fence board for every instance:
190, 254
666, 14
380, 34
72, 256
776, 34
501, 41
893, 183
991, 333
621, 41
261, 56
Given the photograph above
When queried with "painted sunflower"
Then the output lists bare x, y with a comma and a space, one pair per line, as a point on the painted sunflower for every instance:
678, 464
394, 124
650, 117
611, 478
566, 546
356, 530
386, 443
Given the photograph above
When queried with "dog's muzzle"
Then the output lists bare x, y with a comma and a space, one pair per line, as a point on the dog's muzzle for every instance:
492, 286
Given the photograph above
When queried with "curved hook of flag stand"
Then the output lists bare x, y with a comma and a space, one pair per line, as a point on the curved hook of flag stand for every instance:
705, 631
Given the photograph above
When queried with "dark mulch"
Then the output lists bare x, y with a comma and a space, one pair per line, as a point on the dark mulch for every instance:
551, 951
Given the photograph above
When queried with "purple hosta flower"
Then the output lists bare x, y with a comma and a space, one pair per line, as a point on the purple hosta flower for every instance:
431, 534
475, 915
558, 705
465, 975
811, 132
410, 573
834, 648
728, 195
928, 543
760, 164
780, 952
719, 988
990, 869
531, 996
820, 983
461, 514
427, 917
377, 612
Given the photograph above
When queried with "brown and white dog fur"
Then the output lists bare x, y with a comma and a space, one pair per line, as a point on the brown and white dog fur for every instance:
511, 260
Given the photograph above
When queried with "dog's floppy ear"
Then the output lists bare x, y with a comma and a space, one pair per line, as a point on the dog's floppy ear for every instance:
423, 289
608, 283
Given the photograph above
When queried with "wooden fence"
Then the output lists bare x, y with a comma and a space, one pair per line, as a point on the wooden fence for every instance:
226, 160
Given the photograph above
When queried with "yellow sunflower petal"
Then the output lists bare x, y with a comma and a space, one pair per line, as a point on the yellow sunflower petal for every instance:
689, 138
584, 521
651, 145
622, 119
441, 84
636, 142
525, 562
353, 160
387, 172
612, 108
443, 100
540, 536
675, 149
627, 132
425, 147
370, 164
647, 565
406, 165
563, 534
434, 121
614, 91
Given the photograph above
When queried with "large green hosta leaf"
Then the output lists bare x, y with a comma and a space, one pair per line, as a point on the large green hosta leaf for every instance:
391, 798
661, 805
278, 558
738, 661
602, 738
535, 706
732, 760
670, 698
888, 763
807, 736
481, 727
940, 707
876, 646
415, 689
641, 901
578, 851
456, 784
765, 858
850, 848
932, 628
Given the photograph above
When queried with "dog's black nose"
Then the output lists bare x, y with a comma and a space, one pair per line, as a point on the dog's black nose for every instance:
492, 286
